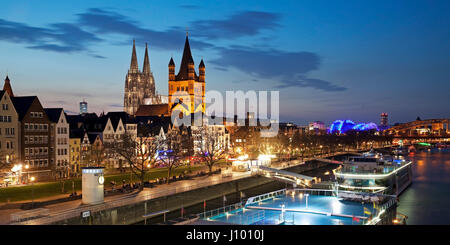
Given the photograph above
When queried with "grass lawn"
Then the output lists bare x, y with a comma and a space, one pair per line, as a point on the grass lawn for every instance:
41, 190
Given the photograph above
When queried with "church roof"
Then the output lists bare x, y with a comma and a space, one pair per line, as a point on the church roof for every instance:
201, 64
185, 61
152, 110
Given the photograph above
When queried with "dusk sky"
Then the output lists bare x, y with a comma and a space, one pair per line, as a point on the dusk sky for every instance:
329, 59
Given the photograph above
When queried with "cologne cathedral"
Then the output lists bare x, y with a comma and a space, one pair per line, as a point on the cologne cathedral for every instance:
139, 86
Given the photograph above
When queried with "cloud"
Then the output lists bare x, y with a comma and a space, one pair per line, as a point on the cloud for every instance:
248, 23
95, 22
116, 105
108, 22
288, 68
58, 37
301, 81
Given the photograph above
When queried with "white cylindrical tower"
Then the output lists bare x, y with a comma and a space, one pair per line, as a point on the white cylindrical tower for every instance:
92, 185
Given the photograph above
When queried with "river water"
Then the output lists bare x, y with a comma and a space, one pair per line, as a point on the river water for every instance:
427, 200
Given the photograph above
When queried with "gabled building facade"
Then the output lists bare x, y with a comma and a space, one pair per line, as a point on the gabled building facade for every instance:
9, 130
59, 140
35, 146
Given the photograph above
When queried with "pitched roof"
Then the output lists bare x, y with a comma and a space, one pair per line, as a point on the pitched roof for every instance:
22, 104
153, 127
76, 133
2, 92
93, 136
53, 113
87, 121
152, 110
115, 117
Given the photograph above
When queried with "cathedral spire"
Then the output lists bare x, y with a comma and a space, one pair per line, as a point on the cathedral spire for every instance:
185, 61
134, 68
146, 61
7, 87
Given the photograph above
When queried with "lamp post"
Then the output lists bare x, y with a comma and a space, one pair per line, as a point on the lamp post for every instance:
32, 191
306, 195
28, 174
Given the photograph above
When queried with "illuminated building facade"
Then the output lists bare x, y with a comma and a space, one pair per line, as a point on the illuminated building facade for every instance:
139, 86
342, 126
186, 86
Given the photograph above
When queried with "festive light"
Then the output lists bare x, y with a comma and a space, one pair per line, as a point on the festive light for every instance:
342, 126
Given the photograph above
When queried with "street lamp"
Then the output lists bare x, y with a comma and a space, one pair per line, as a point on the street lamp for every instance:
306, 195
32, 191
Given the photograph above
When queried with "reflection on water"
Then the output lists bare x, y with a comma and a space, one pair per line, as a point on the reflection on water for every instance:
427, 200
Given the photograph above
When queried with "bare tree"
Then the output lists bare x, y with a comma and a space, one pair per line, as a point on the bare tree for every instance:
139, 152
211, 148
174, 152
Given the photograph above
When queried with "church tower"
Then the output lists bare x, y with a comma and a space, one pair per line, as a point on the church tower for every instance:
186, 86
139, 86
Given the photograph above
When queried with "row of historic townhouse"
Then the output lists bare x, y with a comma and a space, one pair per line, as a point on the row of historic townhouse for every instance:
33, 138
89, 136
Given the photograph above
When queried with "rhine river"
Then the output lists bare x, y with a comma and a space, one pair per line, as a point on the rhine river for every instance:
427, 200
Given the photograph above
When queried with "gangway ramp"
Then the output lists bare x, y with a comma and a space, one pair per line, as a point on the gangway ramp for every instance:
329, 161
286, 176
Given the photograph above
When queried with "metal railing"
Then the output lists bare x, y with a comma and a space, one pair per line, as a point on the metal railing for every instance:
126, 200
133, 198
221, 211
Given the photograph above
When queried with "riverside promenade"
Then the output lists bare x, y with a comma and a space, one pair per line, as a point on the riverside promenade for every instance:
62, 211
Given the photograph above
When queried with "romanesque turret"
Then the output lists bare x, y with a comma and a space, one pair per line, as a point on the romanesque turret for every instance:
171, 70
201, 72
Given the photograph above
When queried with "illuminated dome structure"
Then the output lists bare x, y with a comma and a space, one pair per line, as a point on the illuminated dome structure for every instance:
342, 126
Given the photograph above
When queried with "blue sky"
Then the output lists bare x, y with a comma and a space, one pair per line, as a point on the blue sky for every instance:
329, 59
